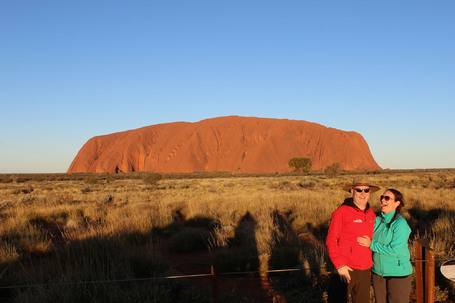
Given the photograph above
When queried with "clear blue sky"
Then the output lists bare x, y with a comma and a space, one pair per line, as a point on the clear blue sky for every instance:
72, 70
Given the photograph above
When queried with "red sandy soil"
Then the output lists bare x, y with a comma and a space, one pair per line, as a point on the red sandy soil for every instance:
236, 144
250, 286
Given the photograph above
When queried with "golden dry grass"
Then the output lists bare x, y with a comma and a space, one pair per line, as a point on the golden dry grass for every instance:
42, 216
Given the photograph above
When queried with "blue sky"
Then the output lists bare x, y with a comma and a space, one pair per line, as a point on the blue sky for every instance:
72, 70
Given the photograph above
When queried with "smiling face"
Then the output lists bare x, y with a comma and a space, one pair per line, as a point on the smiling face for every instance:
361, 195
388, 202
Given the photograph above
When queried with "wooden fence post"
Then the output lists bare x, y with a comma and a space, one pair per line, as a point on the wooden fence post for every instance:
419, 271
214, 284
429, 275
425, 271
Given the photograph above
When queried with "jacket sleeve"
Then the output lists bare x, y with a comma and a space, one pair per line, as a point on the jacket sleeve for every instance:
333, 236
401, 232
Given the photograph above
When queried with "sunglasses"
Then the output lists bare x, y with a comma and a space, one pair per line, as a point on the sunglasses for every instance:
387, 198
359, 190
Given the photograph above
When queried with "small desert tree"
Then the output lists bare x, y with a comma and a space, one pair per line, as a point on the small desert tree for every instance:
332, 170
300, 164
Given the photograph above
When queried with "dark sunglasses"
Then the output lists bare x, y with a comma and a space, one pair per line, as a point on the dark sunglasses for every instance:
359, 190
387, 198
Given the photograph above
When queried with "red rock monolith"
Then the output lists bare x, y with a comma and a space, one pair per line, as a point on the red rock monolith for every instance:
236, 144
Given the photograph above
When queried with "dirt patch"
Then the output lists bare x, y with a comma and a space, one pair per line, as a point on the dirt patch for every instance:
252, 286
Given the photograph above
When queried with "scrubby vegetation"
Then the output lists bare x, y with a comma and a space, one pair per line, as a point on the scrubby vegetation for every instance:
300, 164
332, 170
60, 231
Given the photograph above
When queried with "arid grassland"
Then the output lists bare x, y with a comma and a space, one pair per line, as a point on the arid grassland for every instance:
83, 237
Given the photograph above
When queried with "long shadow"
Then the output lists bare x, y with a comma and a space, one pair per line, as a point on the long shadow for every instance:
114, 268
241, 256
97, 269
296, 250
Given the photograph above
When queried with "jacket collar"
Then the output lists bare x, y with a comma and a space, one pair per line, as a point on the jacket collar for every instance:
350, 202
388, 217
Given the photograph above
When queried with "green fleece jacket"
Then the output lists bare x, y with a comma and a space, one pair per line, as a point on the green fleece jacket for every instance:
390, 246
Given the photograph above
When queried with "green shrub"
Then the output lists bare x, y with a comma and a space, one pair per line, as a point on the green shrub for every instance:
332, 170
300, 164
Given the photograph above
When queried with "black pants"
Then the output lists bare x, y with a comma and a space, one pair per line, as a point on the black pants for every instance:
358, 289
391, 289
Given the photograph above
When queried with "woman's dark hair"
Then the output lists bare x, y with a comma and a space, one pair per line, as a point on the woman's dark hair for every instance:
398, 197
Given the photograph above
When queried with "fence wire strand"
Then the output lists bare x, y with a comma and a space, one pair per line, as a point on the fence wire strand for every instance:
175, 277
148, 279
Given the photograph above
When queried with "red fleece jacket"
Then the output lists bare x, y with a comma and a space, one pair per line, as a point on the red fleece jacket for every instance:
348, 223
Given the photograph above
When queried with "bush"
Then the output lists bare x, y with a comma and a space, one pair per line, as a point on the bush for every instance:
307, 184
300, 164
6, 179
91, 180
332, 170
152, 178
107, 199
86, 190
27, 190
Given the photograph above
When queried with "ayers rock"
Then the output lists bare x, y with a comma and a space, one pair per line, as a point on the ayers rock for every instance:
237, 144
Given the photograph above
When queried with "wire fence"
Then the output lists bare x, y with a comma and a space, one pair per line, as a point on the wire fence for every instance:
174, 277
151, 278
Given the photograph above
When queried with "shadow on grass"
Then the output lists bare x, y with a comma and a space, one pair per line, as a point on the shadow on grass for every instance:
114, 268
85, 271
241, 256
293, 250
134, 255
437, 224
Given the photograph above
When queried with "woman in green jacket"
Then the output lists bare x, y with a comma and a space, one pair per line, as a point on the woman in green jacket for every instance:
392, 268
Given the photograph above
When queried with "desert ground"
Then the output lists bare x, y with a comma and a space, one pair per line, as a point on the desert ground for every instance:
106, 237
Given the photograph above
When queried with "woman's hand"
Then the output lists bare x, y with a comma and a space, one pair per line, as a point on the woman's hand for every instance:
364, 241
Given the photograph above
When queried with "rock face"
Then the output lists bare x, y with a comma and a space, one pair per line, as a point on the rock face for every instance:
237, 144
